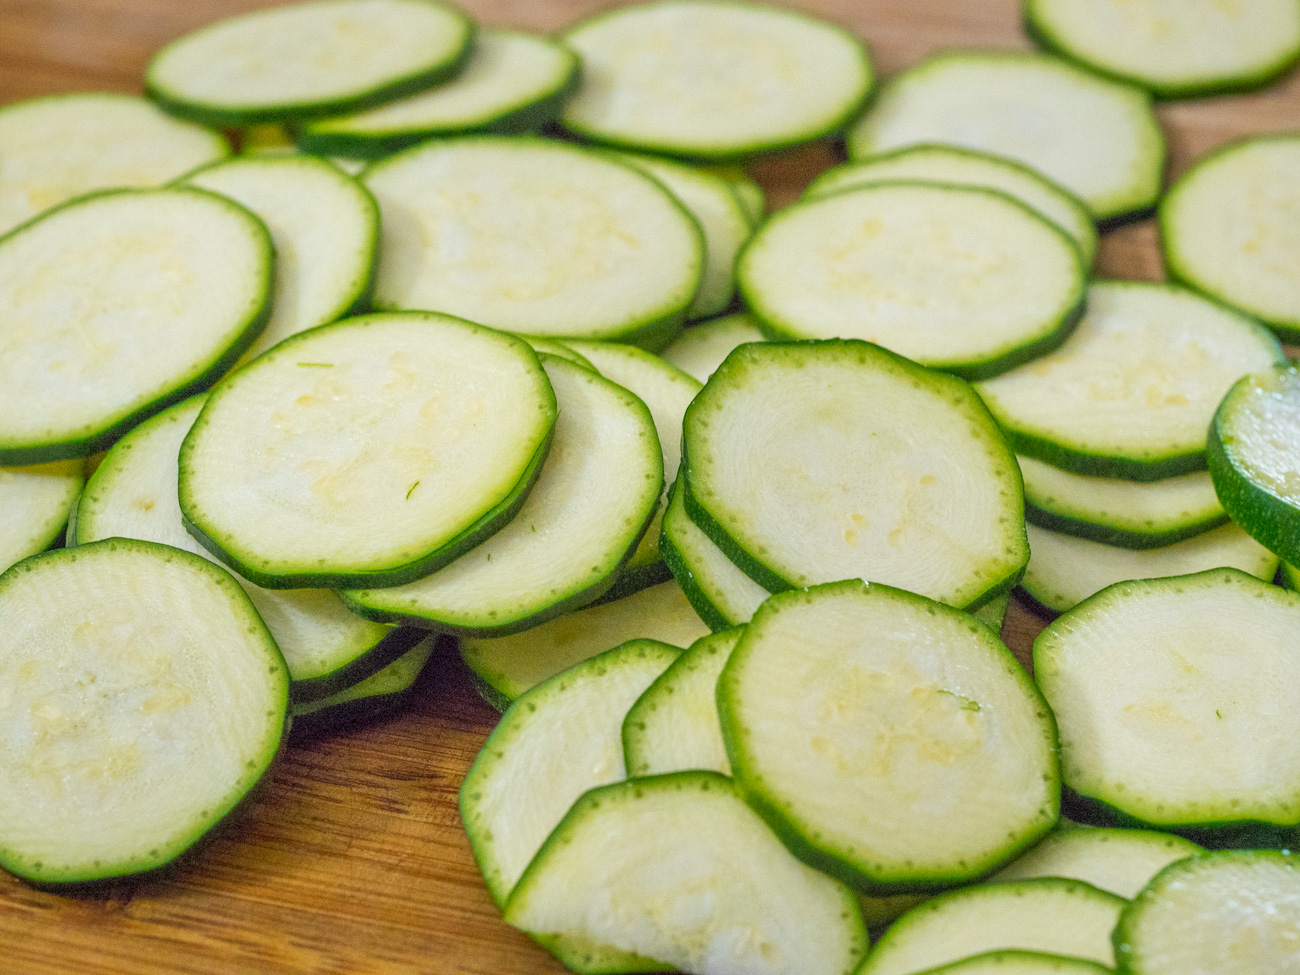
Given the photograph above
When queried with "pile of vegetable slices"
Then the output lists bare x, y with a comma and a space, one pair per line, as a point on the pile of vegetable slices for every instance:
487, 338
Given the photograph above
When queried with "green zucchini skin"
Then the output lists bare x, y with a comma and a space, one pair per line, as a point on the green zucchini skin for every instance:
1111, 535
394, 644
1248, 834
672, 560
1103, 465
634, 580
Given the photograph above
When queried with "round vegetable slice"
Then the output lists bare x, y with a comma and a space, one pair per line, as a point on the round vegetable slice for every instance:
714, 80
1201, 734
1020, 963
1178, 49
550, 240
34, 506
1228, 913
954, 277
114, 306
1097, 138
321, 57
55, 148
966, 167
919, 758
557, 349
596, 491
1121, 861
512, 82
368, 452
380, 694
187, 714
819, 461
325, 227
700, 349
1132, 391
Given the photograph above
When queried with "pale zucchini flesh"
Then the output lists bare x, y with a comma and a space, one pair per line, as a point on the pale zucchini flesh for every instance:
1020, 963
117, 304
368, 452
958, 278
35, 503
700, 349
382, 693
558, 349
1120, 861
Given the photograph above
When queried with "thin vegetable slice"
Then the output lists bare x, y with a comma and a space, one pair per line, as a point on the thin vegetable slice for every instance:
676, 872
700, 349
1121, 861
1020, 963
320, 57
382, 693
34, 506
559, 350
187, 712
368, 452
714, 80
117, 305
1097, 138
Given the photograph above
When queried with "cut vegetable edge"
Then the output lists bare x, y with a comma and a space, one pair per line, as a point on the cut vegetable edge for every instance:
36, 505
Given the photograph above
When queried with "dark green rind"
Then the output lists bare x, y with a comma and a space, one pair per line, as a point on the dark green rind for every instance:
1119, 537
102, 439
496, 699
685, 578
1242, 834
634, 581
1101, 465
394, 644
241, 118
1062, 964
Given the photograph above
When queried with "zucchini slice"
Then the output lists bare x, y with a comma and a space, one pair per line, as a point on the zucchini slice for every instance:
35, 503
62, 146
993, 613
513, 82
916, 758
1229, 913
321, 57
720, 592
559, 350
187, 714
1225, 229
508, 666
710, 80
1201, 734
1253, 460
818, 461
115, 305
752, 199
380, 694
1182, 49
675, 872
132, 494
1121, 861
553, 744
1020, 963
1050, 915
369, 452
673, 726
958, 278
700, 349
1130, 514
266, 140
966, 167
1064, 570
597, 490
1097, 138
325, 228
550, 239
1132, 391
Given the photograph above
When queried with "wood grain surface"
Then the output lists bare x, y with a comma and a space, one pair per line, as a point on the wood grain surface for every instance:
354, 860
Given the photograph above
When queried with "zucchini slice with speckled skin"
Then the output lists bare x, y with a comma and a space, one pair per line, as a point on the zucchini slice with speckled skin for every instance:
1121, 861
35, 503
382, 693
700, 349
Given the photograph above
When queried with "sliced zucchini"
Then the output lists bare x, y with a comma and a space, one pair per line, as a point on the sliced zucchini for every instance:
819, 461
508, 666
1020, 963
1121, 861
1132, 391
1097, 138
1225, 229
325, 228
35, 503
918, 758
700, 349
380, 694
186, 714
315, 58
954, 277
993, 613
966, 167
1253, 459
553, 744
720, 592
712, 80
1049, 915
114, 306
1229, 913
1130, 514
513, 82
559, 350
368, 452
752, 199
132, 494
1181, 49
597, 490
667, 391
1064, 570
673, 726
1201, 733
266, 140
675, 872
62, 146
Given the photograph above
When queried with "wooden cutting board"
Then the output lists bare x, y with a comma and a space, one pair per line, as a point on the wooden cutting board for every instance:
354, 860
